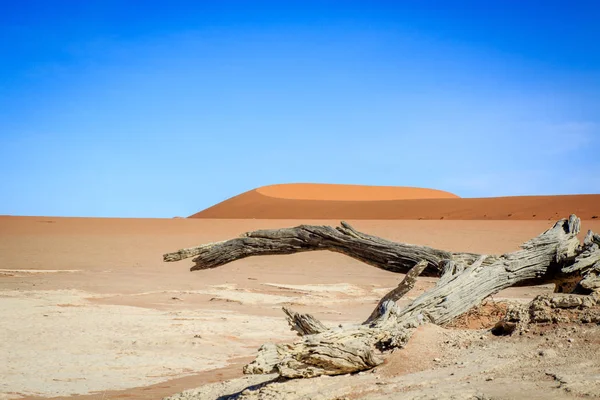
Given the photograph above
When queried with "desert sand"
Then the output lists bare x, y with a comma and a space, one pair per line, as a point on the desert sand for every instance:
311, 201
330, 192
90, 311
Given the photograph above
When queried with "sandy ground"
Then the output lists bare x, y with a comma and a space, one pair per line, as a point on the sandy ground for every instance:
89, 308
448, 364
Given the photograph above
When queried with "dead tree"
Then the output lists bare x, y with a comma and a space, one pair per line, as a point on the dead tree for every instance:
466, 279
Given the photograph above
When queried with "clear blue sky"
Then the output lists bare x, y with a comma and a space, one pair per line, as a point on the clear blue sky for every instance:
163, 108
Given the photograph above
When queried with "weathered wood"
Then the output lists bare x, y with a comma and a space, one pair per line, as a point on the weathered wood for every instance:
587, 265
403, 287
304, 324
375, 251
381, 253
336, 351
466, 280
468, 288
355, 348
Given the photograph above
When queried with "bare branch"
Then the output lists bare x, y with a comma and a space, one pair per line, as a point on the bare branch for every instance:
403, 287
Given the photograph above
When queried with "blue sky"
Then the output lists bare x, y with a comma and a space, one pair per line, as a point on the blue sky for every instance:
163, 108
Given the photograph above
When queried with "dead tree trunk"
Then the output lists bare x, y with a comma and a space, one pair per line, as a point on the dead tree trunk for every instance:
381, 253
465, 280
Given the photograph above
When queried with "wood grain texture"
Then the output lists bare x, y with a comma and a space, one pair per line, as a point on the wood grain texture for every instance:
375, 251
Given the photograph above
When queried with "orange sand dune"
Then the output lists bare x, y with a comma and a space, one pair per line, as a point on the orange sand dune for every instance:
319, 191
306, 201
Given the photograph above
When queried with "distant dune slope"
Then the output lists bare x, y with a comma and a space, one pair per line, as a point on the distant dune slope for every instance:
317, 191
309, 201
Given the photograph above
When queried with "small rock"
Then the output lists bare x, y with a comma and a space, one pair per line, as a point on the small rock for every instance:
503, 328
437, 360
489, 378
176, 298
550, 353
570, 340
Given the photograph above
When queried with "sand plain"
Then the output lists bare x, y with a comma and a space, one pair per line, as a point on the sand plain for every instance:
90, 310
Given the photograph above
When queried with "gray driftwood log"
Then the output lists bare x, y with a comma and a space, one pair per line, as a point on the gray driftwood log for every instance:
465, 280
381, 253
